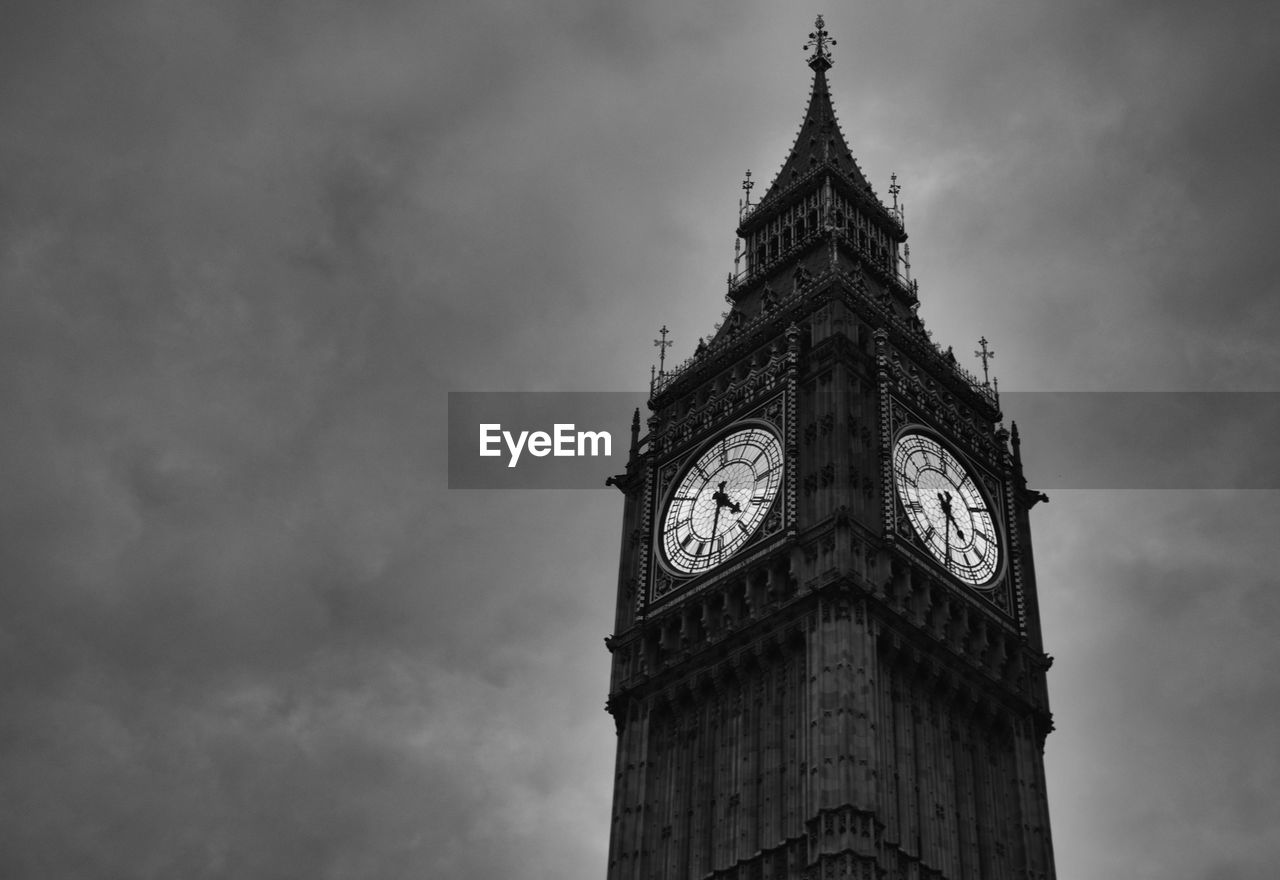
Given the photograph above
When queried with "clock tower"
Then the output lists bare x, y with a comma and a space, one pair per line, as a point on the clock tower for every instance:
826, 660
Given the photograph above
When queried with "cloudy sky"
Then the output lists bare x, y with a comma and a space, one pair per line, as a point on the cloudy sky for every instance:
246, 249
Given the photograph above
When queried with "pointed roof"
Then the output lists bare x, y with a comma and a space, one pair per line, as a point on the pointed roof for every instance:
820, 142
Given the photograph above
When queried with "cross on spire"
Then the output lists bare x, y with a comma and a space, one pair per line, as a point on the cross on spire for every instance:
987, 355
663, 344
820, 42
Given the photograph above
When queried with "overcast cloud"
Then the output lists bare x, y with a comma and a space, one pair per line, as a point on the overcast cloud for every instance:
246, 250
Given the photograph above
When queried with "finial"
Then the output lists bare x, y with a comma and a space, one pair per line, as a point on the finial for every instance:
820, 42
987, 355
663, 344
899, 207
747, 186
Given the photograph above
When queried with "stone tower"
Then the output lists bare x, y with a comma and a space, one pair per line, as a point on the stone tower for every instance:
827, 659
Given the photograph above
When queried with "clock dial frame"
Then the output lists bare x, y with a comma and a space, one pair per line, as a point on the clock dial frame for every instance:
721, 499
947, 508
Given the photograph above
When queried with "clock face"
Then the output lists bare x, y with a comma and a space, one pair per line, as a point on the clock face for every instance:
949, 513
721, 499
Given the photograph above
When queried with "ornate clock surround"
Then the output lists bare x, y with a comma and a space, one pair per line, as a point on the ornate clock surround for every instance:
990, 471
662, 583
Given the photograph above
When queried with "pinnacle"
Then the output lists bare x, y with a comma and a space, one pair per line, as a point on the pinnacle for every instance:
819, 141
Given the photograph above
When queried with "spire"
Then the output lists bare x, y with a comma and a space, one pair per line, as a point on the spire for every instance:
819, 141
819, 212
663, 344
987, 356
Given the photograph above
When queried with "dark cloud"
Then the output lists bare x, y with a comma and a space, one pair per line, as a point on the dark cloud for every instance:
245, 250
1166, 662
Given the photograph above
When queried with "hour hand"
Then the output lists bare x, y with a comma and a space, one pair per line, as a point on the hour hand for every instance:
722, 500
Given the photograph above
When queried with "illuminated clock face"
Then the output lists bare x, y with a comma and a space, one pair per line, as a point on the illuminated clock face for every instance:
721, 500
941, 499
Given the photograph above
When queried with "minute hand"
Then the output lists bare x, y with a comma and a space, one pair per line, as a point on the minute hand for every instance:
946, 550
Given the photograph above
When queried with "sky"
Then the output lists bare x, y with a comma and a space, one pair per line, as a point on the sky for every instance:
247, 249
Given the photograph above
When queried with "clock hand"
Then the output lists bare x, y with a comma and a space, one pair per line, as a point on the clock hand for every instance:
945, 499
723, 500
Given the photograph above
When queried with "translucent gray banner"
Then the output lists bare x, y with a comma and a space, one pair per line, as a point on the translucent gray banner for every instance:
1148, 440
1070, 440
